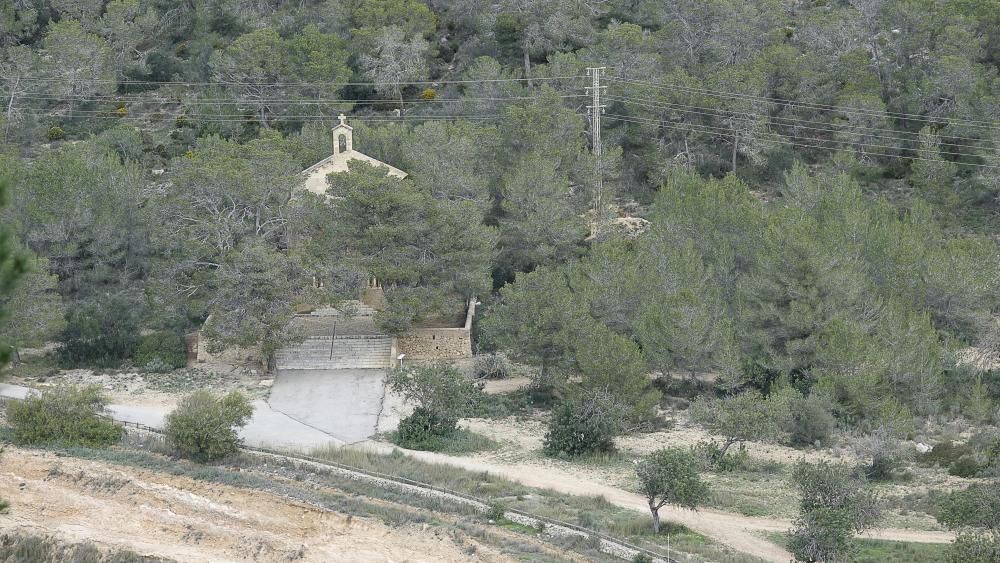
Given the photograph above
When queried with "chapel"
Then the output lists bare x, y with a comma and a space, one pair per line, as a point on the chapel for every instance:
343, 152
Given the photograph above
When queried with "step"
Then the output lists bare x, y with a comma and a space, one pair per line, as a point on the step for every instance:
342, 352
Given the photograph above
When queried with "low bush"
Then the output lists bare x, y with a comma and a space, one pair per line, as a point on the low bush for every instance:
100, 335
458, 441
974, 547
945, 453
55, 133
64, 416
204, 427
885, 450
20, 546
810, 421
496, 511
709, 457
422, 425
965, 466
584, 425
492, 366
161, 352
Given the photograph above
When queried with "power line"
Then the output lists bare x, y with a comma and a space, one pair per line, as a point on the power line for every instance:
844, 109
785, 141
289, 101
240, 118
882, 138
727, 132
715, 112
238, 83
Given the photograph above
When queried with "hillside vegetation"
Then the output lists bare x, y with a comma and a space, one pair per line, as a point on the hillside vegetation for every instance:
792, 224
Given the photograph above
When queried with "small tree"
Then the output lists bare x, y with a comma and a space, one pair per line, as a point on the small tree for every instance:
585, 424
64, 415
883, 447
670, 476
13, 265
204, 427
975, 512
35, 309
741, 418
835, 505
442, 395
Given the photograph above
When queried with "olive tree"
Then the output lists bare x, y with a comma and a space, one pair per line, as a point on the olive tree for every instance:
835, 505
441, 395
670, 476
204, 427
975, 513
746, 417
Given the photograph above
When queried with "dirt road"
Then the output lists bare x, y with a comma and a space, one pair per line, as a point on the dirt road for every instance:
742, 533
737, 531
178, 517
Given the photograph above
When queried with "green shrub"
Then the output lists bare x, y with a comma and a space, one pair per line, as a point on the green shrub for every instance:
55, 133
4, 506
581, 426
65, 416
642, 558
422, 425
974, 547
496, 511
161, 351
437, 387
835, 504
810, 421
461, 441
203, 427
965, 466
945, 453
100, 335
709, 457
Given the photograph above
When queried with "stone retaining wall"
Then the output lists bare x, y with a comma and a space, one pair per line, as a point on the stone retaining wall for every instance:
435, 344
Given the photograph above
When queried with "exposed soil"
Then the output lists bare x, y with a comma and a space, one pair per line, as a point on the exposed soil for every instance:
178, 517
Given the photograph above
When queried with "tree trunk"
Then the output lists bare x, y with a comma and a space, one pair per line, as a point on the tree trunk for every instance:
736, 144
655, 512
527, 67
17, 357
725, 447
10, 108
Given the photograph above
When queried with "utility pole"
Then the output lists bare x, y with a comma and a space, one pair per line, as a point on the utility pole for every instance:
594, 111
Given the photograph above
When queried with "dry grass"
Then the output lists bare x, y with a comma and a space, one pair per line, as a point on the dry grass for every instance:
21, 546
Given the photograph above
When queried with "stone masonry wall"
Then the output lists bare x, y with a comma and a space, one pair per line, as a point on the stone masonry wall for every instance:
435, 344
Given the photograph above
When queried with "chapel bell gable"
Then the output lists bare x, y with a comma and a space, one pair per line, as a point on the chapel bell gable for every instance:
343, 137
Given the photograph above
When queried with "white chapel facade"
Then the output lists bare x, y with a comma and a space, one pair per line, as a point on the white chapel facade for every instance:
314, 177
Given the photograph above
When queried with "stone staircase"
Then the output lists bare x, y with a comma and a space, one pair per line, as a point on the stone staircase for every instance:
356, 308
342, 352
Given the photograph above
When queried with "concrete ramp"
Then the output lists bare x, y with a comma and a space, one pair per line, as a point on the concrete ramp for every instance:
344, 403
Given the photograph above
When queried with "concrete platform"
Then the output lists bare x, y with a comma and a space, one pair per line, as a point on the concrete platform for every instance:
344, 403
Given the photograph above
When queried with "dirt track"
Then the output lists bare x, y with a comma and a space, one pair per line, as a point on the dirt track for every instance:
742, 533
178, 517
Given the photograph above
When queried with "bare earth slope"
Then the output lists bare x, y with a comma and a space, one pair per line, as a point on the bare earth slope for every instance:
178, 517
